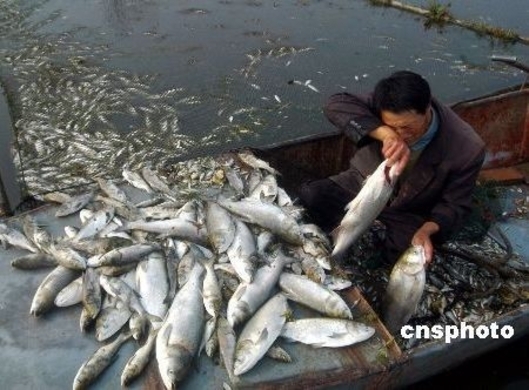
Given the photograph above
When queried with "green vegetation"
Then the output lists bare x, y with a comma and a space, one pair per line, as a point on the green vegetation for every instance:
437, 14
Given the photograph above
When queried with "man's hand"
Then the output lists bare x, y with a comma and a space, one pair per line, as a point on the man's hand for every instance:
394, 149
422, 237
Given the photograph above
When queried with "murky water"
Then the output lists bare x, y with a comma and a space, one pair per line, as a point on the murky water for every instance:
100, 84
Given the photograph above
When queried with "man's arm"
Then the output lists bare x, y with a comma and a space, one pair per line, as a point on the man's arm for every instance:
352, 114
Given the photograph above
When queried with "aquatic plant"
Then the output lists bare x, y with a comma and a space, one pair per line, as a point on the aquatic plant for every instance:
437, 14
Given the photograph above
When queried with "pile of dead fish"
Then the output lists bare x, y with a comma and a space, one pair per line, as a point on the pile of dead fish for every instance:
215, 262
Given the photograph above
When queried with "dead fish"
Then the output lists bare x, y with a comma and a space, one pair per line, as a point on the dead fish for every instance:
36, 233
259, 333
250, 296
91, 297
250, 159
243, 252
53, 283
327, 332
137, 362
211, 291
111, 189
301, 289
70, 295
179, 337
175, 227
266, 215
227, 340
113, 315
405, 288
95, 224
155, 181
277, 353
136, 180
364, 208
153, 284
98, 362
74, 204
16, 238
220, 226
123, 255
34, 261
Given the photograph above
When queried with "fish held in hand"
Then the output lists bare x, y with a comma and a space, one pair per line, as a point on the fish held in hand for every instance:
405, 288
364, 208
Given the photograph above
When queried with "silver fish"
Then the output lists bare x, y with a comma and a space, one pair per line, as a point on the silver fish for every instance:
111, 189
155, 181
243, 252
250, 159
137, 362
250, 296
209, 338
153, 284
36, 233
98, 362
405, 288
179, 337
136, 180
301, 289
16, 238
364, 208
327, 332
113, 315
235, 180
123, 255
53, 283
71, 294
266, 190
34, 261
91, 297
259, 333
74, 204
68, 257
220, 226
94, 225
266, 215
227, 340
176, 227
211, 291
120, 289
277, 353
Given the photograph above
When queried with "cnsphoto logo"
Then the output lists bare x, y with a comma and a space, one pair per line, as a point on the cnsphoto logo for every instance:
453, 332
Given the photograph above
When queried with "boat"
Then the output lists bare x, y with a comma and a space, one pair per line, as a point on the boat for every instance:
46, 352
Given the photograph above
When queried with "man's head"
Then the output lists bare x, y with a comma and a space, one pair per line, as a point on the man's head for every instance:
402, 101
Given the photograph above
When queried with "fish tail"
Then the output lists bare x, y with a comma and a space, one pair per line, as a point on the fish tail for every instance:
335, 233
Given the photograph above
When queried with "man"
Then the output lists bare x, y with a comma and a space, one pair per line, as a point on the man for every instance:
437, 155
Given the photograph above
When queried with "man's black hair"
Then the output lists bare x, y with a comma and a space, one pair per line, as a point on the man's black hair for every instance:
402, 91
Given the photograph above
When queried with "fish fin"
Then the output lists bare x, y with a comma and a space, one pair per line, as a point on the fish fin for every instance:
336, 335
339, 257
335, 233
263, 336
167, 332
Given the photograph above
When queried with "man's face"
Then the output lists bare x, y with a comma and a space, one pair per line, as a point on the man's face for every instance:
410, 125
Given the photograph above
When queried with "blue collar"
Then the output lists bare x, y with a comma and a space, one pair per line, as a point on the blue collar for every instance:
421, 143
